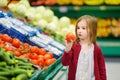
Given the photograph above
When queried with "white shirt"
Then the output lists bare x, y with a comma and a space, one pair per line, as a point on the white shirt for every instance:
85, 65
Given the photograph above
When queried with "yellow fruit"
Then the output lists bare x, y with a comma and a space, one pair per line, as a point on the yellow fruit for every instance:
93, 2
77, 2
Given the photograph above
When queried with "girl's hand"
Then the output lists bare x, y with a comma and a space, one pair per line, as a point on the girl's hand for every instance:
68, 45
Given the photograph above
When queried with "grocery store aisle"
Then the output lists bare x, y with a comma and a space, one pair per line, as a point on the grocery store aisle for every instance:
112, 65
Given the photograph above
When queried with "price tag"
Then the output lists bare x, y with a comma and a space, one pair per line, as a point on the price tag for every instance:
63, 9
103, 8
77, 8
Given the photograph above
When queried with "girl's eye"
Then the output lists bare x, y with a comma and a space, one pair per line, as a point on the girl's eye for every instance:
83, 28
78, 28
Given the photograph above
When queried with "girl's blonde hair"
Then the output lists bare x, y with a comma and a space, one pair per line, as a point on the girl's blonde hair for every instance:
91, 26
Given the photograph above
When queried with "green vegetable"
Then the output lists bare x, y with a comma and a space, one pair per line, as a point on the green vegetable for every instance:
22, 59
17, 71
3, 78
21, 77
6, 58
3, 64
5, 73
1, 56
25, 67
24, 64
4, 69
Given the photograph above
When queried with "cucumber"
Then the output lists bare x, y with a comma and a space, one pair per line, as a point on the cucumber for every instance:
3, 78
24, 64
1, 56
17, 71
25, 67
7, 58
22, 59
3, 69
5, 73
3, 64
21, 77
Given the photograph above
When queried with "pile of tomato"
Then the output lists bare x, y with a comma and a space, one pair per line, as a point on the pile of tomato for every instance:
37, 56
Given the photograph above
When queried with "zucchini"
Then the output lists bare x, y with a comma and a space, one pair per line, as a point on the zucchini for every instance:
3, 78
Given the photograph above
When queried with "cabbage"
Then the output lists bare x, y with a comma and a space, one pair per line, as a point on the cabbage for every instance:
24, 2
64, 22
21, 9
52, 26
3, 3
48, 15
41, 10
55, 20
42, 23
12, 7
37, 17
30, 14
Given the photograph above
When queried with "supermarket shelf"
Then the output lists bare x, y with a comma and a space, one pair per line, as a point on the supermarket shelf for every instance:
110, 47
77, 11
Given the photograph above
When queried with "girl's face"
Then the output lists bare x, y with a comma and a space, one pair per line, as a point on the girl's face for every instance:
82, 31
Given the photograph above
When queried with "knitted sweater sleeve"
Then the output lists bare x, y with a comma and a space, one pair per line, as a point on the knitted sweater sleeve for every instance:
101, 63
67, 57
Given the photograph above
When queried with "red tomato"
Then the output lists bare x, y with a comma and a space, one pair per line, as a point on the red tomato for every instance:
33, 56
16, 42
70, 36
53, 60
7, 38
1, 42
9, 48
50, 53
41, 60
25, 44
42, 51
47, 56
16, 53
36, 62
48, 62
34, 49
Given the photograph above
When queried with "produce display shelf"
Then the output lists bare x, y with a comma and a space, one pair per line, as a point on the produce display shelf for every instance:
110, 47
77, 11
14, 31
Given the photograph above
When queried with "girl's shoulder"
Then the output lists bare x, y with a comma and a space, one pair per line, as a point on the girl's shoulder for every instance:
75, 45
97, 46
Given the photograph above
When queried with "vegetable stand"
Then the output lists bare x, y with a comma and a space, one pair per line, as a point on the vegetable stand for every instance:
13, 27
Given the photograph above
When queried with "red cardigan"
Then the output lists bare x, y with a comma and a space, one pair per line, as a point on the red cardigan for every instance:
70, 59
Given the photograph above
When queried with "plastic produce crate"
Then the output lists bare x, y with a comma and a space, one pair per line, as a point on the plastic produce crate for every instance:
37, 73
14, 33
4, 31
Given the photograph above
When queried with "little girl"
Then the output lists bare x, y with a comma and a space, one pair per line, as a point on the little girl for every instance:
83, 56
